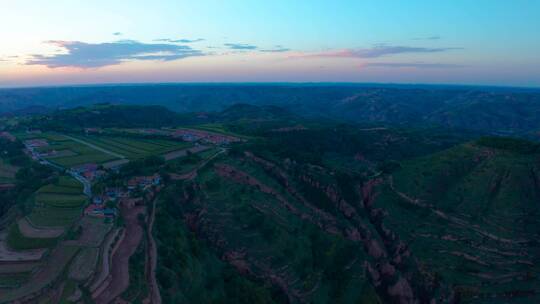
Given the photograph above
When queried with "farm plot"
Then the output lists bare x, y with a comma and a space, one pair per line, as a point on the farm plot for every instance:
60, 200
13, 280
8, 255
55, 265
7, 268
134, 148
7, 173
17, 241
58, 204
54, 217
67, 152
84, 264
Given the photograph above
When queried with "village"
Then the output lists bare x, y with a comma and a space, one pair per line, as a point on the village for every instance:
95, 198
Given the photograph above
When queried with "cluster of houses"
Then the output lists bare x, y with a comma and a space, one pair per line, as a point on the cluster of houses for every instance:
6, 187
193, 135
208, 137
154, 132
36, 143
93, 131
144, 182
8, 136
89, 171
98, 206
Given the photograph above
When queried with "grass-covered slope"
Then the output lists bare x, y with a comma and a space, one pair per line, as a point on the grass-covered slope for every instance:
471, 216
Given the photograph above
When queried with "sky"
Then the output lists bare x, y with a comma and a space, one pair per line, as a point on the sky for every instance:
66, 42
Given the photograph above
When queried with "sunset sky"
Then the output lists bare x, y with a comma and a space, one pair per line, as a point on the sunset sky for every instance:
57, 42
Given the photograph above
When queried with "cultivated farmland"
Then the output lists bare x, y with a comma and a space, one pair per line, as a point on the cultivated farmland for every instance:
58, 204
134, 148
7, 173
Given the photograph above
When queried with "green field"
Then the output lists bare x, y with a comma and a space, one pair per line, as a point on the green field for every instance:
84, 154
13, 279
50, 189
61, 200
7, 172
101, 149
58, 204
217, 128
78, 153
56, 264
134, 148
25, 136
54, 217
18, 241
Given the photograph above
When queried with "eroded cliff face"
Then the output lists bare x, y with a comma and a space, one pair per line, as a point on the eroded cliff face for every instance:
383, 222
391, 268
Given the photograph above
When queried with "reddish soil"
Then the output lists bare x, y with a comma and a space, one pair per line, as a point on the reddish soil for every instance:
120, 260
151, 262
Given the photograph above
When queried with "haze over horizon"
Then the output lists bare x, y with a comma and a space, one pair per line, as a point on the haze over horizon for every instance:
458, 42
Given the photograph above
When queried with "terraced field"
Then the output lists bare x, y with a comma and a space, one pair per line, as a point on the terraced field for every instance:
7, 173
47, 248
56, 207
59, 204
134, 148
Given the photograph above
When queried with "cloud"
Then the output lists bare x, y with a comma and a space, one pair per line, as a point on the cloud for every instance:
379, 51
9, 58
95, 55
428, 38
117, 34
240, 46
278, 49
180, 40
416, 65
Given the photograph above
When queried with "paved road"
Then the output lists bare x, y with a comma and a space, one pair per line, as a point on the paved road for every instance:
86, 183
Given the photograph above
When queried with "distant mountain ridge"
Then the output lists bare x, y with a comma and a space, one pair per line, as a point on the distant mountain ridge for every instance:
489, 110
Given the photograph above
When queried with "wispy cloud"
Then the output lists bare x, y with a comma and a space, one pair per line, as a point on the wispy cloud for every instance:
240, 46
416, 65
428, 38
117, 33
276, 49
180, 40
379, 51
95, 55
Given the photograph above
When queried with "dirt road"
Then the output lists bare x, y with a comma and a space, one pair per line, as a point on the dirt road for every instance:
151, 262
120, 260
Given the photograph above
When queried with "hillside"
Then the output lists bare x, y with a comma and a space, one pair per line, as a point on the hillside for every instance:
505, 111
470, 214
259, 205
459, 224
